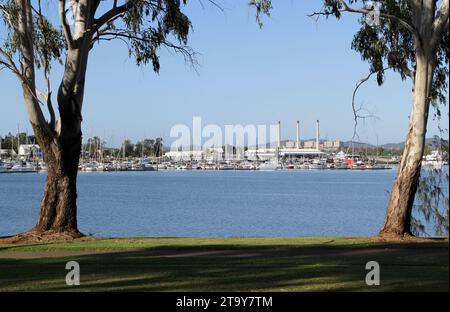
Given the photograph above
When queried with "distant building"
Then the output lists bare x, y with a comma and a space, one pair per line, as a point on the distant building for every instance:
184, 155
291, 144
271, 153
332, 145
328, 145
309, 144
30, 150
213, 154
261, 154
210, 154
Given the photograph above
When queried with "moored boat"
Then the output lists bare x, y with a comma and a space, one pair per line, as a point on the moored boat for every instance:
23, 167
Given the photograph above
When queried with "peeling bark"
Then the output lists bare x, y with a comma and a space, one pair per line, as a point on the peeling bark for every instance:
58, 209
398, 215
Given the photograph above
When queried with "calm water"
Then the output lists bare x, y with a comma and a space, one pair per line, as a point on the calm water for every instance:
211, 204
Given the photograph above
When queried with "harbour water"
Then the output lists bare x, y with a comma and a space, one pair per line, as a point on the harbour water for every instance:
211, 204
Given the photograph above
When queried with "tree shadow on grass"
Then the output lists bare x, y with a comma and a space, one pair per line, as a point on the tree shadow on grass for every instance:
134, 272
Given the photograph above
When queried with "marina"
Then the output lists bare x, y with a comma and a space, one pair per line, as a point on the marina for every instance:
208, 147
336, 161
314, 154
164, 164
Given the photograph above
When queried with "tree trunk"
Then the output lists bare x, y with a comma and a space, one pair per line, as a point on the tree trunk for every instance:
398, 216
58, 209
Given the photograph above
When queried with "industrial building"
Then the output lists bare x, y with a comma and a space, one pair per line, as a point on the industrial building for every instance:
292, 149
309, 149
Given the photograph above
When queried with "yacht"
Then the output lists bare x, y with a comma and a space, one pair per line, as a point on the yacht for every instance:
269, 166
434, 159
358, 165
137, 167
23, 167
101, 167
150, 167
161, 167
42, 166
317, 164
2, 168
341, 165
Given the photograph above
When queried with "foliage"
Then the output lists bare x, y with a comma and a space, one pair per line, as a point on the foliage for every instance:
432, 201
148, 24
94, 147
145, 26
262, 7
387, 45
11, 141
48, 39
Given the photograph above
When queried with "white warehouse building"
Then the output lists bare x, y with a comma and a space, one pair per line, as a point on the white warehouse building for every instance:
28, 150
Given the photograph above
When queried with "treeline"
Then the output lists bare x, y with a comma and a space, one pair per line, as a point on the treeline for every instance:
95, 148
375, 151
12, 142
385, 152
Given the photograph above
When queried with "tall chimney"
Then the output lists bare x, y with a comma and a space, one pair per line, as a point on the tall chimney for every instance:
298, 134
279, 134
317, 134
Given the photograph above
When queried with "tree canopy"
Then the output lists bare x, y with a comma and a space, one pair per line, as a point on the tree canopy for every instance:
390, 43
144, 26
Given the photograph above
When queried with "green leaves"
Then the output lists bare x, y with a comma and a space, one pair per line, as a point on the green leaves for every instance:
262, 7
152, 24
49, 42
433, 201
8, 14
390, 44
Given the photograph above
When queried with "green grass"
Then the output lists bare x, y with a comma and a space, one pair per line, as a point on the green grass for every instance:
122, 244
424, 267
185, 243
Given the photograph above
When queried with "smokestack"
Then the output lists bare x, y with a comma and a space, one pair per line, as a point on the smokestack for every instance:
298, 134
279, 134
317, 134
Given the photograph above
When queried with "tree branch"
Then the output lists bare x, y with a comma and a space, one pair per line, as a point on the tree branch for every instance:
440, 23
46, 69
7, 14
8, 62
356, 111
348, 8
188, 54
65, 24
114, 12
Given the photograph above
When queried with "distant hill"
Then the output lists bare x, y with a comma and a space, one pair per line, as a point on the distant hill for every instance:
433, 142
348, 144
393, 146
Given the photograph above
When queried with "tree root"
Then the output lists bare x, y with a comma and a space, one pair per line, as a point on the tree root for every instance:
402, 238
50, 236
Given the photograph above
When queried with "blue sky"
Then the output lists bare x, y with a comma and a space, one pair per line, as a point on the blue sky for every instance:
293, 68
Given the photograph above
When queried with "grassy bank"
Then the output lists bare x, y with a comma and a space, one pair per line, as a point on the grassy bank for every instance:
229, 264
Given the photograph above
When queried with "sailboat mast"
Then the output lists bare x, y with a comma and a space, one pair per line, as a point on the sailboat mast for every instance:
18, 139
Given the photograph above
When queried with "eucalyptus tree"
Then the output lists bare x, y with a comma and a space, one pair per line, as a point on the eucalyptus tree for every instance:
410, 37
34, 37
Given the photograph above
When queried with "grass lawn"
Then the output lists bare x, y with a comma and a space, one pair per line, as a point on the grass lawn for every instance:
228, 264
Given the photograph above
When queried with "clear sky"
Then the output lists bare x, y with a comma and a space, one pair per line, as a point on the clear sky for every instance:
293, 68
